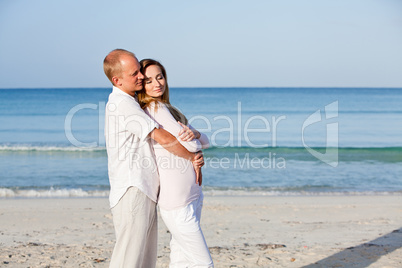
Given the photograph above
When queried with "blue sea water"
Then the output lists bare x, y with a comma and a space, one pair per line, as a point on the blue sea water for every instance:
272, 141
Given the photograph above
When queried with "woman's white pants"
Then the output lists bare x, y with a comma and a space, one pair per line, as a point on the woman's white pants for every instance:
187, 245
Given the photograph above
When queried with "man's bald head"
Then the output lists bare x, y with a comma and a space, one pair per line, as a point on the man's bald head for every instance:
112, 63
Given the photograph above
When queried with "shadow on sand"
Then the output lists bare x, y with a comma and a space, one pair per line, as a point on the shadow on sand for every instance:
363, 255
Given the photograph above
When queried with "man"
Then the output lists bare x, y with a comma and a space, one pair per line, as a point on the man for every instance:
133, 174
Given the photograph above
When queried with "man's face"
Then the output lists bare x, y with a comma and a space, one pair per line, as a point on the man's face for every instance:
130, 78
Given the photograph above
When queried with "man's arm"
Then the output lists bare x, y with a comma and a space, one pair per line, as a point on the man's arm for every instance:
170, 143
189, 133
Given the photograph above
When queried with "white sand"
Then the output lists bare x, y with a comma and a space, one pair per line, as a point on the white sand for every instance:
241, 231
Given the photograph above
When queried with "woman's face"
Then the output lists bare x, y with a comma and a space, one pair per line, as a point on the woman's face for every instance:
155, 82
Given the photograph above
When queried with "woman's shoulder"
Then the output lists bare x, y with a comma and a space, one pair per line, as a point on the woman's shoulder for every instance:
156, 106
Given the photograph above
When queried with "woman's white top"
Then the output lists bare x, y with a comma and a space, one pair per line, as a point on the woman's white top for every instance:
178, 185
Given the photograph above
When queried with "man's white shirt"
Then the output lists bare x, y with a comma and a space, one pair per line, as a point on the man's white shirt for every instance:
131, 159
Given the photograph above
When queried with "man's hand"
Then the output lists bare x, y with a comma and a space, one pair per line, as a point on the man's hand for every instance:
198, 174
198, 159
198, 162
187, 134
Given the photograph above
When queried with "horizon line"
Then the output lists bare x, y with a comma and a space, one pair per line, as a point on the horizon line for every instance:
212, 87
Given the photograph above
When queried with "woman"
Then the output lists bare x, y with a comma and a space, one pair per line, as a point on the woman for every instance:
180, 198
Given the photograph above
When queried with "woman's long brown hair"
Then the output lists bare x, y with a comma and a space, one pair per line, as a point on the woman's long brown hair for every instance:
145, 100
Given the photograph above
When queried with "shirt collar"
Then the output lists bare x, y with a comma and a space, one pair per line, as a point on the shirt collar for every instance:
117, 90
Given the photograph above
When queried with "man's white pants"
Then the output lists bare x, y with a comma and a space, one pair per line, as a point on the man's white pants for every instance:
135, 223
187, 245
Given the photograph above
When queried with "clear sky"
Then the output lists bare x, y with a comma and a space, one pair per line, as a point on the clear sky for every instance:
254, 43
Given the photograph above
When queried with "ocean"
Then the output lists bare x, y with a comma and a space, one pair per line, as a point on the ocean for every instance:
266, 141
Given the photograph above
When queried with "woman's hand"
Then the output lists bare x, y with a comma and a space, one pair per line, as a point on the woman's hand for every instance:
187, 134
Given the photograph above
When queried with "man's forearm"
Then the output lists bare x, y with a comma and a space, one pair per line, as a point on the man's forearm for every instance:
170, 143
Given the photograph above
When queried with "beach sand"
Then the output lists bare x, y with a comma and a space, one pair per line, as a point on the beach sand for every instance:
241, 231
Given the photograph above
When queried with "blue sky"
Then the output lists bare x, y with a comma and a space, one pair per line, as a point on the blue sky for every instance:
281, 43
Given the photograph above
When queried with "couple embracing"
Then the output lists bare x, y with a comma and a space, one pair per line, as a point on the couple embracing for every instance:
154, 156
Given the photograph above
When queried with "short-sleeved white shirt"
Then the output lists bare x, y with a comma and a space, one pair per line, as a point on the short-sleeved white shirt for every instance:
131, 159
